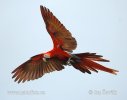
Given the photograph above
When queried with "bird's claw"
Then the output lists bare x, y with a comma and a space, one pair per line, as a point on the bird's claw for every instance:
69, 61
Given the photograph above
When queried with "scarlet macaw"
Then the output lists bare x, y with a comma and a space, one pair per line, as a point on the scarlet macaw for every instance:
60, 55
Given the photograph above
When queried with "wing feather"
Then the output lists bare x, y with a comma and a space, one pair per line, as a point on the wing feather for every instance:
31, 70
59, 34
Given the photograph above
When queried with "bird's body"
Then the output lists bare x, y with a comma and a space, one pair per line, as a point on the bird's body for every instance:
57, 52
60, 55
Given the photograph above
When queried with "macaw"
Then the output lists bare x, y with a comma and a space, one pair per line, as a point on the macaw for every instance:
60, 56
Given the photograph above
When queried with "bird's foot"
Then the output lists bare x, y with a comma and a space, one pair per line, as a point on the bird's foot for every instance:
69, 61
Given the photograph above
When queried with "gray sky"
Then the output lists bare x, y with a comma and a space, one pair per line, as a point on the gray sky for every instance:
98, 25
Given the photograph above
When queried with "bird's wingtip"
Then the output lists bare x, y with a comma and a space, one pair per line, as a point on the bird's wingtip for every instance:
41, 6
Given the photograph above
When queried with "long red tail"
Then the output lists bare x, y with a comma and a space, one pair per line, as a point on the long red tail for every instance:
86, 62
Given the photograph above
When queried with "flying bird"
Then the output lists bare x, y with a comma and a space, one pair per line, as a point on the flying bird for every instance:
60, 56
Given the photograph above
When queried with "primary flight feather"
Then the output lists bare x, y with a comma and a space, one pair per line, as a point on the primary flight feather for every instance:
60, 56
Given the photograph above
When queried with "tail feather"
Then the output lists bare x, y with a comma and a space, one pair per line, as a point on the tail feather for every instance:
92, 56
87, 63
97, 66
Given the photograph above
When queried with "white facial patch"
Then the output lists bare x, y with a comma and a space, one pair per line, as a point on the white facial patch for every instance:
44, 59
46, 56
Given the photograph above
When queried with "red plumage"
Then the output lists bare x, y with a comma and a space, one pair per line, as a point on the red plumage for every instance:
60, 55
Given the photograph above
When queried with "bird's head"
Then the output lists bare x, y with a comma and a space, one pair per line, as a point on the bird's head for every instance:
43, 56
46, 56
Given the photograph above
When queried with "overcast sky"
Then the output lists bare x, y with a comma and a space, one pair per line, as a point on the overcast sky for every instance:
98, 25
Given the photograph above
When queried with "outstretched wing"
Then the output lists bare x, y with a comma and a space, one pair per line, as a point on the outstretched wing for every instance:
59, 34
36, 68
